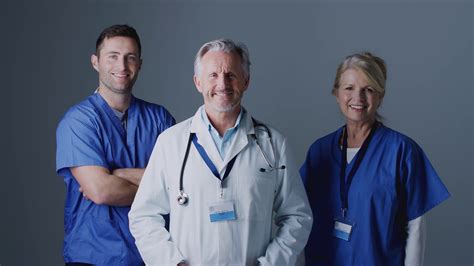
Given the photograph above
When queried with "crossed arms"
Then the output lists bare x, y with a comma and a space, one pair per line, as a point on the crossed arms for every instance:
117, 188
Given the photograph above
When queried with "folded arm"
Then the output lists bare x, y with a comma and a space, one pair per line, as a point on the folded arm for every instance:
132, 175
103, 187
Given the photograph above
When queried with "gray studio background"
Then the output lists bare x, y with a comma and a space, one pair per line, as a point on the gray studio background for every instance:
295, 47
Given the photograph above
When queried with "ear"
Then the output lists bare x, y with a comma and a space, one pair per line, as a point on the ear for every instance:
197, 83
247, 83
335, 93
140, 64
95, 62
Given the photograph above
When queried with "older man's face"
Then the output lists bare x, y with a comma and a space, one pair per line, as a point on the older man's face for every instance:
222, 81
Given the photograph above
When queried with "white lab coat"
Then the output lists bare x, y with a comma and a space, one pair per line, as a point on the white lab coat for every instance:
256, 196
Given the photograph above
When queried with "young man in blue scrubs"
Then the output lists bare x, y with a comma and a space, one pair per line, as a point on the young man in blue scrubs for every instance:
103, 146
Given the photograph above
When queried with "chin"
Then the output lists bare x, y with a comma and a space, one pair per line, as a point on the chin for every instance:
126, 90
225, 109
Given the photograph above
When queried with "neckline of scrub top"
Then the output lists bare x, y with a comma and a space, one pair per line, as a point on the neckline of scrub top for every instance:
122, 116
115, 120
351, 153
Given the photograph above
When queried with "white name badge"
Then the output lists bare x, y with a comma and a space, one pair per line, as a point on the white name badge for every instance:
222, 211
342, 230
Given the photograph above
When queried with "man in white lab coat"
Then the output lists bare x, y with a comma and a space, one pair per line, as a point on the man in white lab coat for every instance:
223, 177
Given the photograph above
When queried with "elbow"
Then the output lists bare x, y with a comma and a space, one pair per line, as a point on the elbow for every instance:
98, 199
96, 196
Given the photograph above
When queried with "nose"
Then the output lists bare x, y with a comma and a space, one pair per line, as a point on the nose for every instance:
360, 93
222, 81
122, 63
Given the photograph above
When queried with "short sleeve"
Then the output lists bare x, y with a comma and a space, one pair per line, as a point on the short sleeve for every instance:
78, 144
423, 187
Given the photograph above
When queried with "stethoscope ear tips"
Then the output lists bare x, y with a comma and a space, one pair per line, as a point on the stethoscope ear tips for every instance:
262, 170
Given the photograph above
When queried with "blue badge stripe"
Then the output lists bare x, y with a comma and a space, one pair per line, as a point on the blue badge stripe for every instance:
223, 216
341, 235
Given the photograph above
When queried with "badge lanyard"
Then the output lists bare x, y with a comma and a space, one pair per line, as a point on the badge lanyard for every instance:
211, 166
345, 185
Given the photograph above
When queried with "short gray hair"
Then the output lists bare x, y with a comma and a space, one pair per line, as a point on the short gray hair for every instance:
227, 46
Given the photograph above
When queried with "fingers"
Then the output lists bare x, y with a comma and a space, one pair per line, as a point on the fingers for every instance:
83, 193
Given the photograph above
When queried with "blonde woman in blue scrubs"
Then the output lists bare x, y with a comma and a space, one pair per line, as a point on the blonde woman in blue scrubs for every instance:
369, 186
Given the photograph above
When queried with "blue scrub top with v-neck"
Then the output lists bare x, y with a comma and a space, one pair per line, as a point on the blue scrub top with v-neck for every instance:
394, 184
90, 134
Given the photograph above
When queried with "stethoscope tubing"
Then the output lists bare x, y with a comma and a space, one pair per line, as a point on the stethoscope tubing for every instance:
183, 198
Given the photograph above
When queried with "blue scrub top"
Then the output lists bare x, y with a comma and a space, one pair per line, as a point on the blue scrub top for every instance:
394, 184
91, 134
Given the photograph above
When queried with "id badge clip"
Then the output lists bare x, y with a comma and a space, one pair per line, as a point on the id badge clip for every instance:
222, 211
343, 227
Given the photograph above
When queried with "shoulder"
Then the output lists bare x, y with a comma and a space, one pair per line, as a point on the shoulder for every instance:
265, 130
176, 132
398, 139
154, 113
84, 112
326, 141
276, 134
156, 108
399, 146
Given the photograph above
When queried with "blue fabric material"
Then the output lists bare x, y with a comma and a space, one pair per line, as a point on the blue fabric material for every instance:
395, 183
91, 134
222, 143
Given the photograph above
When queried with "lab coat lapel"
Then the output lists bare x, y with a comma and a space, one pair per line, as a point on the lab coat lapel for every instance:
204, 138
240, 140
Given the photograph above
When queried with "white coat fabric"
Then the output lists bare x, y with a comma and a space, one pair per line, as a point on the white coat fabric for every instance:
258, 197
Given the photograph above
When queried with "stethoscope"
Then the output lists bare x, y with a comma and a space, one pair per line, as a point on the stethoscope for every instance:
183, 198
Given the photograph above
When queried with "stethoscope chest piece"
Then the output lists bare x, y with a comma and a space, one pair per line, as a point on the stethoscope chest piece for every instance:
182, 198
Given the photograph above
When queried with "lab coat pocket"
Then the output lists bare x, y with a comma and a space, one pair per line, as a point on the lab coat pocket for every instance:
262, 196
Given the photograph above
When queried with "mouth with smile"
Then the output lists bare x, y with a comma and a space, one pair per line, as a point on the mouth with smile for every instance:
121, 75
358, 107
222, 93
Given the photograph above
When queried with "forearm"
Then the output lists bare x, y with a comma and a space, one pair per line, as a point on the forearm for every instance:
116, 191
132, 175
102, 187
415, 246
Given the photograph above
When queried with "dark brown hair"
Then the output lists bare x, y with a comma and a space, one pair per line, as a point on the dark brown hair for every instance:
118, 31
